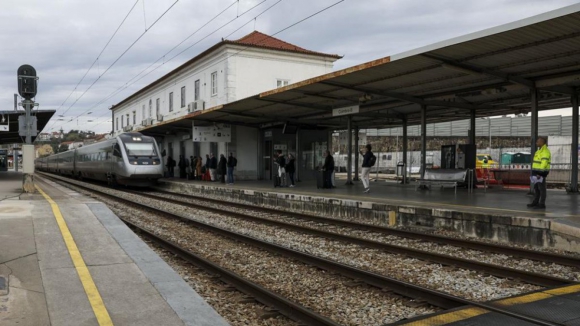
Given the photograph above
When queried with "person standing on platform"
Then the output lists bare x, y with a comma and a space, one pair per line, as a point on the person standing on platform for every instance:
366, 167
198, 168
328, 168
540, 170
281, 168
182, 167
192, 164
291, 169
170, 166
232, 163
207, 166
222, 168
213, 165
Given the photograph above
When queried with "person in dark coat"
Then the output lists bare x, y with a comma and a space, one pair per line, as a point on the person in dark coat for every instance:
182, 166
291, 168
170, 166
222, 167
232, 163
213, 165
328, 168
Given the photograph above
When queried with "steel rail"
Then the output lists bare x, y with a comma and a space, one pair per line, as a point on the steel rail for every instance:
501, 271
286, 307
436, 298
481, 246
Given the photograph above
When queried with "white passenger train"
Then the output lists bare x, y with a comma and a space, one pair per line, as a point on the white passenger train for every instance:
130, 159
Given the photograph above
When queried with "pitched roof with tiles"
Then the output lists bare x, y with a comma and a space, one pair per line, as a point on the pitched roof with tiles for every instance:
254, 39
261, 40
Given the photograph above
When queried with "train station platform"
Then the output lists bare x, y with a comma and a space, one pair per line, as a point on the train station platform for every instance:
66, 259
495, 213
558, 306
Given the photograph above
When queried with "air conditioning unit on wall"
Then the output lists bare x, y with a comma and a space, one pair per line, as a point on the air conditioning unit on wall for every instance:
199, 105
127, 128
160, 117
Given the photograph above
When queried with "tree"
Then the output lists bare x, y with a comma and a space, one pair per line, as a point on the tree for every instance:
45, 150
63, 148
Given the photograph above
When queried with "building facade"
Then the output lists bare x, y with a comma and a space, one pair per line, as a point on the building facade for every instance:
226, 72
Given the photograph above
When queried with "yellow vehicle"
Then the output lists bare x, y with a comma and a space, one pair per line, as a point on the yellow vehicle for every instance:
485, 161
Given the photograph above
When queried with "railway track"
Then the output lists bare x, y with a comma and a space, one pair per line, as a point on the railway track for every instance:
529, 277
435, 298
475, 245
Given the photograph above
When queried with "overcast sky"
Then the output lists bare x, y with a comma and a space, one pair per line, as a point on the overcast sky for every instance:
62, 38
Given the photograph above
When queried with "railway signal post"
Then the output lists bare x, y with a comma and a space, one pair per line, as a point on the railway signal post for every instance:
27, 82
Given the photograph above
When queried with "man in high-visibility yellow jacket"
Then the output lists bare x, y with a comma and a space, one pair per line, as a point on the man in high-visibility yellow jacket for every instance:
540, 170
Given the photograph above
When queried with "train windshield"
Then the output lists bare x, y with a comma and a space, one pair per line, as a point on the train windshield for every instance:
140, 149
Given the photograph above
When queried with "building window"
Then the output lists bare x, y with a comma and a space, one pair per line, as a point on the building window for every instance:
150, 108
156, 108
282, 83
142, 113
183, 96
128, 121
196, 90
117, 123
171, 102
122, 121
214, 86
135, 115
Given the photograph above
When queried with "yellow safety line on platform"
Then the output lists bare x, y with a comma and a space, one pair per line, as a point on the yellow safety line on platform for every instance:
462, 314
91, 290
449, 318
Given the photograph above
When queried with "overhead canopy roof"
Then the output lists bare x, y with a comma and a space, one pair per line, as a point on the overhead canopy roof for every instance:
491, 72
11, 136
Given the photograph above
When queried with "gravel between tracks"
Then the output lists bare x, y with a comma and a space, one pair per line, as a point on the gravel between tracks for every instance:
556, 270
225, 302
331, 295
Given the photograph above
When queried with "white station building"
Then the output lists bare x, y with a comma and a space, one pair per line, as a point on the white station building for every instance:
226, 72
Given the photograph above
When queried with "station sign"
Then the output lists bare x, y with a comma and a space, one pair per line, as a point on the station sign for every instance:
4, 128
268, 133
345, 110
219, 132
281, 147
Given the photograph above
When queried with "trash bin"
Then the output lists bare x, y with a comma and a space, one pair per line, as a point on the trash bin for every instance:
400, 169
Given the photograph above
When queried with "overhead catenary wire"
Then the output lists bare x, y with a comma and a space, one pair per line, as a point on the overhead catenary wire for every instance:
131, 82
122, 54
99, 55
247, 47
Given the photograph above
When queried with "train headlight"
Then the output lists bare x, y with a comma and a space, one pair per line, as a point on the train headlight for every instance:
137, 139
134, 163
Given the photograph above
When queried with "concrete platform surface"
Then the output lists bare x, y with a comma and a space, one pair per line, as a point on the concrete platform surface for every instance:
40, 284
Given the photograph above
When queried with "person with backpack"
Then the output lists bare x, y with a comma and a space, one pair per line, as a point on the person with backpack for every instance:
369, 160
232, 162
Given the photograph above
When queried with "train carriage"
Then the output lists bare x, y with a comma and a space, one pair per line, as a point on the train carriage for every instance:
128, 159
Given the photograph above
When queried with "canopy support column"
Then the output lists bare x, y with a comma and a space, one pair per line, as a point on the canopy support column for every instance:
405, 149
534, 135
423, 139
472, 128
356, 154
574, 150
349, 151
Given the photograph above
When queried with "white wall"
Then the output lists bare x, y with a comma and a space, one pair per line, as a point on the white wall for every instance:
257, 71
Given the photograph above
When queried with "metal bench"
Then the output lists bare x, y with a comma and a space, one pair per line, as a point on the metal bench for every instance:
442, 178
